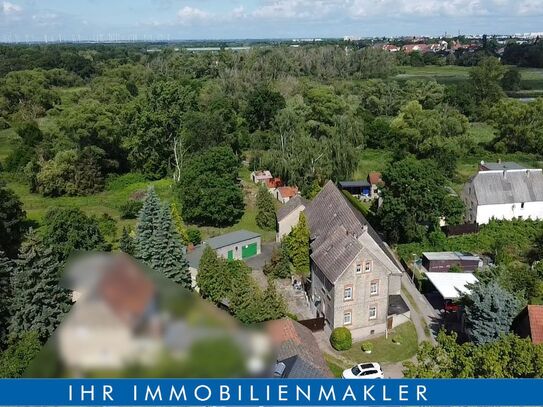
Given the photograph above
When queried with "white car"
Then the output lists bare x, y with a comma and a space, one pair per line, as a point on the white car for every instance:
364, 371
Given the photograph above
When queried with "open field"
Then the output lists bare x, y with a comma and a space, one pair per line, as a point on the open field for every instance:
532, 78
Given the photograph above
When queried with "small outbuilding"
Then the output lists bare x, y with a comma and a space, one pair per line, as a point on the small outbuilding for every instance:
444, 261
239, 245
359, 189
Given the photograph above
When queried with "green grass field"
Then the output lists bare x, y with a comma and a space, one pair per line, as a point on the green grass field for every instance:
371, 160
532, 78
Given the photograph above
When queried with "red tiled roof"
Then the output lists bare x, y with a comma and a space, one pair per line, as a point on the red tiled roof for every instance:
274, 183
126, 289
288, 192
375, 178
535, 315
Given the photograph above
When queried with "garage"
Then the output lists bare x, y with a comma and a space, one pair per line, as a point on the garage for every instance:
239, 245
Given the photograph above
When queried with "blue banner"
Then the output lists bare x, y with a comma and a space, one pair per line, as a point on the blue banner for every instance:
262, 392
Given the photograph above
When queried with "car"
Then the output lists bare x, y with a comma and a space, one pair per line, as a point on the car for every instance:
364, 371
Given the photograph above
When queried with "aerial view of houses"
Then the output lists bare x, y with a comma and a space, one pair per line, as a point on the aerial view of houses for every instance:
282, 205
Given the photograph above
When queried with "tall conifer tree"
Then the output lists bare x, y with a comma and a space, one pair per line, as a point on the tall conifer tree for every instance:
7, 270
39, 302
157, 242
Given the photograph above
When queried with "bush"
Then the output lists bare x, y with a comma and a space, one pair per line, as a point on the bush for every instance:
195, 237
130, 209
341, 339
367, 346
397, 339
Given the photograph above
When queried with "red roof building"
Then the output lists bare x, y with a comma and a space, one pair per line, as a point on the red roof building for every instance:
529, 323
375, 178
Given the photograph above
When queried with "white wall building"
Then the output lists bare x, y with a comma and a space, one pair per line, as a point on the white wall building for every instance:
508, 194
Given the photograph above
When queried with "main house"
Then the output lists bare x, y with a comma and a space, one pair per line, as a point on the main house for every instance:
504, 194
355, 278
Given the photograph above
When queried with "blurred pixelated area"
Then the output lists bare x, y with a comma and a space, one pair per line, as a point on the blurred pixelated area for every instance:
128, 321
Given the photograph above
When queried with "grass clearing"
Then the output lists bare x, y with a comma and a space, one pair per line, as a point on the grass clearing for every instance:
384, 350
119, 190
372, 160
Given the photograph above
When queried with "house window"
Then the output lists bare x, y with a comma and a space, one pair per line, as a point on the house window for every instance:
347, 318
374, 288
358, 268
348, 294
373, 312
522, 205
367, 266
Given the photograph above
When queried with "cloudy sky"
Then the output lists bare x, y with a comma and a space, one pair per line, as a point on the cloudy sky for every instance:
210, 19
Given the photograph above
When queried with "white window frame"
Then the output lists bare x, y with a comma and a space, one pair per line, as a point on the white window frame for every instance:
348, 314
368, 266
374, 316
358, 269
376, 285
345, 298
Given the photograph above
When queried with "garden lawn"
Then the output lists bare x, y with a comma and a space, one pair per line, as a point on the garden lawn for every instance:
384, 350
371, 160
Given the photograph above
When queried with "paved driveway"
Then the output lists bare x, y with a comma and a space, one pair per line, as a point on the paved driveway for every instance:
258, 262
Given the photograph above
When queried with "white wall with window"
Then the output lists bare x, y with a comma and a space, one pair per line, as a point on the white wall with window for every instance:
373, 312
348, 293
374, 288
347, 318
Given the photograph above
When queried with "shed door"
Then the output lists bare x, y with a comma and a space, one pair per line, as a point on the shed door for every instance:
230, 255
249, 250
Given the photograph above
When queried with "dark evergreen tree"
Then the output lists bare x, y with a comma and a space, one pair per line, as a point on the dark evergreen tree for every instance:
172, 261
39, 302
7, 270
145, 245
490, 310
265, 215
297, 244
158, 244
12, 221
209, 278
126, 244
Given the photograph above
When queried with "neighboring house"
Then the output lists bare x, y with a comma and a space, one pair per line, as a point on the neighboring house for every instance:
376, 181
422, 48
353, 272
285, 194
288, 215
364, 189
261, 176
105, 329
239, 245
443, 261
297, 351
507, 194
500, 166
529, 323
274, 183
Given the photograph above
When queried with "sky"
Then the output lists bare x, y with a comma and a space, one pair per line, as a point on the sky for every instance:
25, 20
